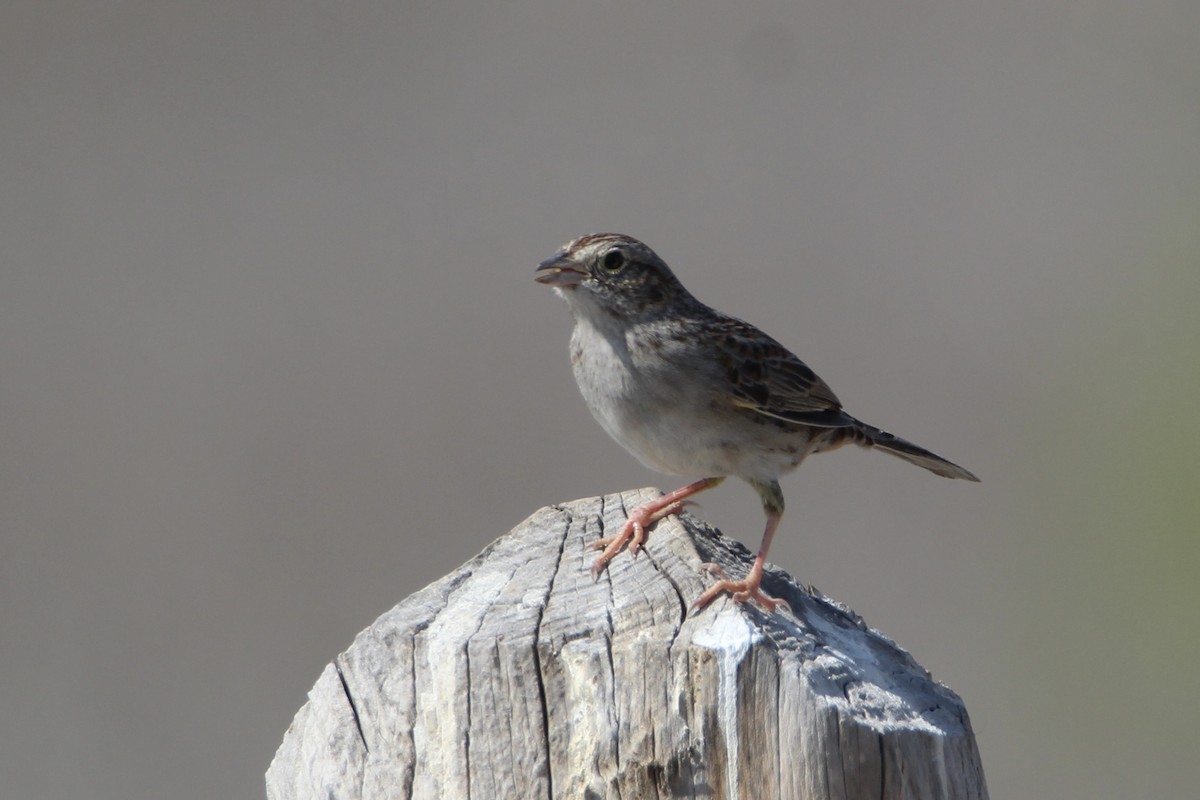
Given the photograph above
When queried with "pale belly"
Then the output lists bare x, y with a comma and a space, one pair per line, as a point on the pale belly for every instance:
687, 433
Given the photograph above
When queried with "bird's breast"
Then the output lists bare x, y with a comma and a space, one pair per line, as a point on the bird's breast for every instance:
670, 414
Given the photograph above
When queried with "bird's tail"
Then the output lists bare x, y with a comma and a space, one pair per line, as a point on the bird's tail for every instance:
870, 436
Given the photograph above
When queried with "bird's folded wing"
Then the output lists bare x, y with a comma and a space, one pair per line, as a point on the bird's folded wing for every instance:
765, 377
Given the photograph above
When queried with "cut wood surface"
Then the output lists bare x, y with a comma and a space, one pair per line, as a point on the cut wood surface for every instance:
519, 676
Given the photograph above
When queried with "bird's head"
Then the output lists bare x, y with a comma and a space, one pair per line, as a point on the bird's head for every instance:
612, 273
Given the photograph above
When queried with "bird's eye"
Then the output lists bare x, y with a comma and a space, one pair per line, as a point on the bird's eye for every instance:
613, 261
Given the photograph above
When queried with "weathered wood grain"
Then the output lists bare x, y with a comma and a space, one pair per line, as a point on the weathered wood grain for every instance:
519, 676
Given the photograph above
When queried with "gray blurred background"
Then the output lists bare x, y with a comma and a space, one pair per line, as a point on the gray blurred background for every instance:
271, 355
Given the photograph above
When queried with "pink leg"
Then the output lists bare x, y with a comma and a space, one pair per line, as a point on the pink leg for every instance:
749, 588
642, 517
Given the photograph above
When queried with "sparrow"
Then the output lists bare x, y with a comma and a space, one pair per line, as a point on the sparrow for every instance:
691, 391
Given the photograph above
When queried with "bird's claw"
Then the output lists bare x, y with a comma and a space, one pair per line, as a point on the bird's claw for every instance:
738, 591
633, 533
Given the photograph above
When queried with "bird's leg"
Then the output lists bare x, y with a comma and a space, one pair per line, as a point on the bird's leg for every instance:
749, 588
633, 531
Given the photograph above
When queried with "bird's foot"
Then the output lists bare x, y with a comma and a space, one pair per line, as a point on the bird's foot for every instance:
633, 532
739, 591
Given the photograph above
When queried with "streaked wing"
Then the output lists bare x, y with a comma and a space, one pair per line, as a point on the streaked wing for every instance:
765, 377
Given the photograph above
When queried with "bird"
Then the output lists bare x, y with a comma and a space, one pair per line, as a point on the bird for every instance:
690, 391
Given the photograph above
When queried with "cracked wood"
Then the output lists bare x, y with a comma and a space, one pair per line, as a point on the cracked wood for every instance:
519, 676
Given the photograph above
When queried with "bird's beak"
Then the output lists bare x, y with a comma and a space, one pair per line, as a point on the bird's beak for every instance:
560, 270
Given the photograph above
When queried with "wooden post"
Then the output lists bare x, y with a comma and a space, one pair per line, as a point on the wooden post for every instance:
519, 676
